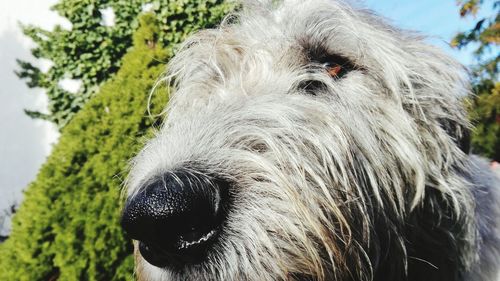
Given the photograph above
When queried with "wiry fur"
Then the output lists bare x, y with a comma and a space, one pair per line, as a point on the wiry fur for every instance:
363, 179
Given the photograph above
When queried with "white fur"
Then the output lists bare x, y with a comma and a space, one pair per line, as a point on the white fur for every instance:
296, 159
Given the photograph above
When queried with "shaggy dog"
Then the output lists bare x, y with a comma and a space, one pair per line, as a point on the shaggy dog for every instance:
310, 140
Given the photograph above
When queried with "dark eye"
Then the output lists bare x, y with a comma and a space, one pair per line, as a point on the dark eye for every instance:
320, 59
336, 66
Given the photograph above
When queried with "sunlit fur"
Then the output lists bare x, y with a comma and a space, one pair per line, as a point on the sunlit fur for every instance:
361, 179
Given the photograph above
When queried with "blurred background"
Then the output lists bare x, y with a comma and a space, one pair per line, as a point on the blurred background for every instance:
56, 55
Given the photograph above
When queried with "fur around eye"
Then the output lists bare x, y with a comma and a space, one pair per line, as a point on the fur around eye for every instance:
337, 66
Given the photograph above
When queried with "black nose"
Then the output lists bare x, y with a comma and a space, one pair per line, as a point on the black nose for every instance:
176, 217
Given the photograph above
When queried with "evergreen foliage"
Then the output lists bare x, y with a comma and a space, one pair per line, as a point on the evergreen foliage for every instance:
67, 227
484, 107
91, 51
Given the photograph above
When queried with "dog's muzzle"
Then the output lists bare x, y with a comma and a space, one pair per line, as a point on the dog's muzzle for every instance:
176, 217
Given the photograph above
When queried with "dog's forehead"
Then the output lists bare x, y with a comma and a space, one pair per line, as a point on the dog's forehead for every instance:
293, 11
337, 26
312, 14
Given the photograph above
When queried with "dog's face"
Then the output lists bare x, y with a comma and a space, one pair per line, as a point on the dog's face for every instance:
290, 132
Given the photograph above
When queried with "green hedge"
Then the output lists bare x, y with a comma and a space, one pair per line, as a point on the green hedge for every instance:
67, 227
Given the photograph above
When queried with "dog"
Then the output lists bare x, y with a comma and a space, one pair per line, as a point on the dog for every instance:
311, 140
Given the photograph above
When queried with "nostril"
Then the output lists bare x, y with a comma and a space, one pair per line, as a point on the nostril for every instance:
176, 217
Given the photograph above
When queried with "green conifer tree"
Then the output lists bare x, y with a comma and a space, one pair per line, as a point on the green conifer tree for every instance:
67, 227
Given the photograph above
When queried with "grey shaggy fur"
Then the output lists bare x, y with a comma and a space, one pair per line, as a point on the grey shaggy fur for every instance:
361, 176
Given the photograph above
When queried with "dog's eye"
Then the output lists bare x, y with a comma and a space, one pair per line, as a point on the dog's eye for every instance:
333, 69
336, 66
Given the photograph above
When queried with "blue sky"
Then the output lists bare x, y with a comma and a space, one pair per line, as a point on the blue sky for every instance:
437, 18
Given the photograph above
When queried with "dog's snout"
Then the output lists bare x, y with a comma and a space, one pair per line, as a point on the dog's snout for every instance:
176, 217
